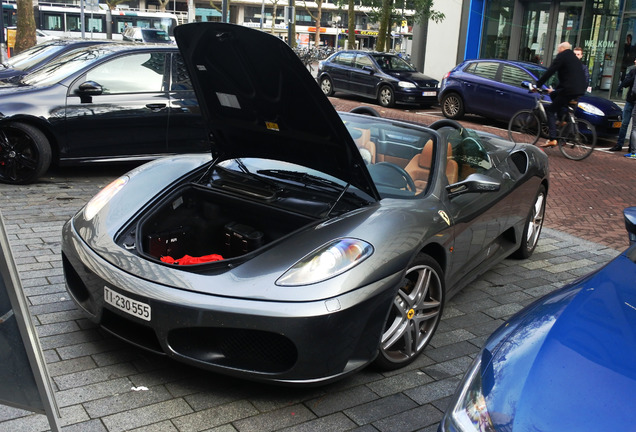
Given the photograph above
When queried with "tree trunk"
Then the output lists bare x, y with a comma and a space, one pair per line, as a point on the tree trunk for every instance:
25, 37
318, 20
351, 25
385, 22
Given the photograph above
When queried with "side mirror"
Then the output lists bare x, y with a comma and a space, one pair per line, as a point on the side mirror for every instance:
89, 88
368, 69
630, 223
473, 183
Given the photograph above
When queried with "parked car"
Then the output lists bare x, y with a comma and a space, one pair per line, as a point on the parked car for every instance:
38, 55
103, 103
563, 363
308, 244
146, 34
492, 88
382, 76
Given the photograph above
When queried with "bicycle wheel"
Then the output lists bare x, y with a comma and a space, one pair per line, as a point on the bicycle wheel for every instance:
524, 128
577, 141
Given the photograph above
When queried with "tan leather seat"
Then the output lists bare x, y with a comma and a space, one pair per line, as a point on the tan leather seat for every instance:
419, 168
452, 168
364, 142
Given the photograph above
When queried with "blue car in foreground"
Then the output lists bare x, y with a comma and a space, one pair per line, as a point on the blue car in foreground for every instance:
492, 88
564, 363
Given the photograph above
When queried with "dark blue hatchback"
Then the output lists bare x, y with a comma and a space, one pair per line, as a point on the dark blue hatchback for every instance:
492, 88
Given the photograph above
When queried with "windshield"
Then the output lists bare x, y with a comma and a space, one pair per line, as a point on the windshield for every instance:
65, 65
537, 71
389, 62
26, 59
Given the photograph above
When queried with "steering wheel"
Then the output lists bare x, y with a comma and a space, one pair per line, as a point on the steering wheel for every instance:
365, 110
385, 173
446, 122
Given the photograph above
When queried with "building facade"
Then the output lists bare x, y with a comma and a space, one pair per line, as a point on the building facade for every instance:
531, 30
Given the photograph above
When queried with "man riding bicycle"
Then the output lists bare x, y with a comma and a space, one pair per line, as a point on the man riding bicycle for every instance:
571, 85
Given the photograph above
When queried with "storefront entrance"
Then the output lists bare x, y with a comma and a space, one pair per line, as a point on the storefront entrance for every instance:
531, 30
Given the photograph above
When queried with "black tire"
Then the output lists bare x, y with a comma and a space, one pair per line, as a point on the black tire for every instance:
524, 128
414, 315
25, 153
386, 97
577, 143
326, 86
532, 228
452, 106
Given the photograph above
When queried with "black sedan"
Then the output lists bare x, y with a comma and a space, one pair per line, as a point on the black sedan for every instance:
382, 76
107, 102
38, 55
308, 244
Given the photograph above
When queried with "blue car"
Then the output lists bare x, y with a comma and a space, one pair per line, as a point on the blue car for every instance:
492, 88
564, 363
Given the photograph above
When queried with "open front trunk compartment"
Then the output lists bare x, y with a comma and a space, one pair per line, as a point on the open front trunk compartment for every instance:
199, 221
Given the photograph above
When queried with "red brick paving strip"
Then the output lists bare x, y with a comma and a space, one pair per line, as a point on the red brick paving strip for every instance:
586, 198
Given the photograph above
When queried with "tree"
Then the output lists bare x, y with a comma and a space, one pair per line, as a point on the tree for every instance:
163, 4
317, 18
351, 25
25, 37
386, 16
112, 4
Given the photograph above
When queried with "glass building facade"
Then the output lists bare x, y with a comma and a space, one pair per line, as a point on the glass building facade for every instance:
531, 30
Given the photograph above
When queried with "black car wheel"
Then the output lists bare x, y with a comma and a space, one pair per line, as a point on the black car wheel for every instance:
532, 229
452, 106
386, 98
326, 86
415, 314
25, 153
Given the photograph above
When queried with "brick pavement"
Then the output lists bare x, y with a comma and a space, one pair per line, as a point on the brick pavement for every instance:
103, 384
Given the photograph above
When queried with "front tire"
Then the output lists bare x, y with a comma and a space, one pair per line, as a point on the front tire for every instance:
452, 106
532, 229
386, 97
25, 153
414, 315
326, 86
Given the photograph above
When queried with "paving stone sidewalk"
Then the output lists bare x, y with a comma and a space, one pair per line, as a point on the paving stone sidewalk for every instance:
103, 384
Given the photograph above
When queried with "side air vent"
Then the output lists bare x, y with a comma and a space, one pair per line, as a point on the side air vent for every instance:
520, 159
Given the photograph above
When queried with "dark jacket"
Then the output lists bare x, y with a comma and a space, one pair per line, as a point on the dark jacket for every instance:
629, 82
570, 74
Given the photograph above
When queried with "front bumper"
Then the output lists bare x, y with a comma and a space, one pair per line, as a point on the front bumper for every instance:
286, 342
417, 96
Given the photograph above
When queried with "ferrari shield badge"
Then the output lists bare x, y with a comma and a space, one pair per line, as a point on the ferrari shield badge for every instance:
444, 216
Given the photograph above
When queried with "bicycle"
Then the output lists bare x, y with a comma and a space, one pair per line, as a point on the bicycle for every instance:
576, 137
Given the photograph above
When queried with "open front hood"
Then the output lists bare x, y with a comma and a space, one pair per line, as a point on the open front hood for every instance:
259, 100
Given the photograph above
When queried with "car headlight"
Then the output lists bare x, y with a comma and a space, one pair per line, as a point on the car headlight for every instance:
406, 84
591, 109
469, 411
327, 261
101, 199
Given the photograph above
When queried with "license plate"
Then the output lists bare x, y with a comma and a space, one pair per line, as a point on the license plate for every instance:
128, 305
429, 93
616, 124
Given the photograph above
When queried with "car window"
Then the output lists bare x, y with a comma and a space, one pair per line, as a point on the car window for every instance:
363, 60
392, 63
486, 70
514, 76
151, 35
134, 73
345, 59
180, 79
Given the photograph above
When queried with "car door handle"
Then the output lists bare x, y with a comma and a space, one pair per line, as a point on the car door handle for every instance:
156, 107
